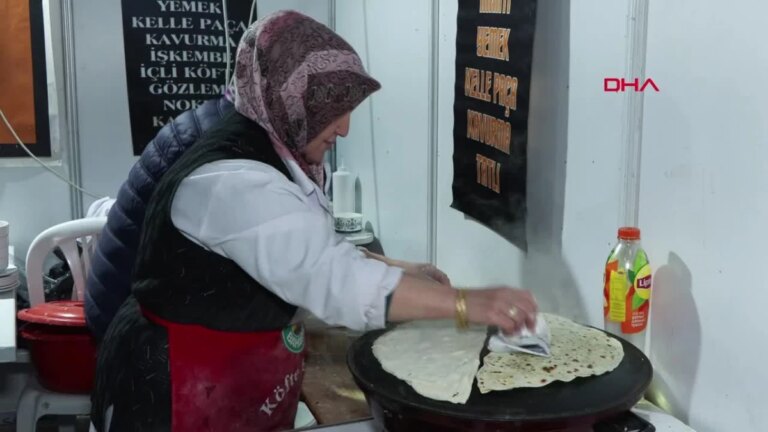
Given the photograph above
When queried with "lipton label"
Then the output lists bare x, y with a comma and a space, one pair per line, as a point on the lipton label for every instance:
639, 297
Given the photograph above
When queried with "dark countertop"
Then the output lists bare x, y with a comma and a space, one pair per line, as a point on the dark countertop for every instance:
329, 390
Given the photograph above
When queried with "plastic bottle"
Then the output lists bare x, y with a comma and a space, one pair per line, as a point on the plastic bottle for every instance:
627, 289
343, 184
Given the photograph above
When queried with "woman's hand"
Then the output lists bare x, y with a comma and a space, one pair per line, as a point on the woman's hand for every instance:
508, 308
419, 297
413, 269
427, 270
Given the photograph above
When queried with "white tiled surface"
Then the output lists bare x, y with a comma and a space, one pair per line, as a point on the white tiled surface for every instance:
361, 426
8, 326
8, 319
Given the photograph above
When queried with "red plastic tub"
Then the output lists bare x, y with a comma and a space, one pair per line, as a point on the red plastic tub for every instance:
60, 345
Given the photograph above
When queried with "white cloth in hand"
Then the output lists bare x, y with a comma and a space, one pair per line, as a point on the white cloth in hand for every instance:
528, 341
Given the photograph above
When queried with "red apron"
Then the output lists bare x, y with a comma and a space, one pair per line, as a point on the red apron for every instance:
233, 381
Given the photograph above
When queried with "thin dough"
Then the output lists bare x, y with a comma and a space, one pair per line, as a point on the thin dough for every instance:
577, 351
433, 357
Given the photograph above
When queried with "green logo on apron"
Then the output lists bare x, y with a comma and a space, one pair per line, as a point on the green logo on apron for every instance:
293, 338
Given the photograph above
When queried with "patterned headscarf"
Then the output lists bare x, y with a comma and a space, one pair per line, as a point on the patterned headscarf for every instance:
294, 77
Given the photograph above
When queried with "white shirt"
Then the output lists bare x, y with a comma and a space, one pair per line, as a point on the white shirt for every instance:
100, 207
281, 233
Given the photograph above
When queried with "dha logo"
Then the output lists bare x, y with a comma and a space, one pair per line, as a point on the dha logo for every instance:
617, 85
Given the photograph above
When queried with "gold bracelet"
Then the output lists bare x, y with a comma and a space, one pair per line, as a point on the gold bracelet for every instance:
461, 310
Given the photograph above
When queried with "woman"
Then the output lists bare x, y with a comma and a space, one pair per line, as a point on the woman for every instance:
239, 244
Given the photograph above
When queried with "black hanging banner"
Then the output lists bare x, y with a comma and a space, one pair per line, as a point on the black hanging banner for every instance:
494, 52
176, 57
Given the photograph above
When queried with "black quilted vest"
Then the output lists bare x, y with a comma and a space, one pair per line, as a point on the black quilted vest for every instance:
185, 283
182, 282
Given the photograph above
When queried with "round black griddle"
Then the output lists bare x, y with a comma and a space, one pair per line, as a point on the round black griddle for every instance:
559, 406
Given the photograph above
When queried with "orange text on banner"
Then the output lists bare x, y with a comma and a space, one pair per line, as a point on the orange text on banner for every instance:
489, 130
505, 92
493, 87
488, 173
478, 84
493, 42
496, 6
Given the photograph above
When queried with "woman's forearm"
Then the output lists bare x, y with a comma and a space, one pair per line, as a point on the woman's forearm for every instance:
507, 308
421, 298
388, 261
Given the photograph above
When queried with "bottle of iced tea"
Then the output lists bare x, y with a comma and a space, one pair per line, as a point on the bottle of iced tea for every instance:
627, 289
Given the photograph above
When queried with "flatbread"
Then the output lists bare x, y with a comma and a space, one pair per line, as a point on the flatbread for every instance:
433, 357
577, 351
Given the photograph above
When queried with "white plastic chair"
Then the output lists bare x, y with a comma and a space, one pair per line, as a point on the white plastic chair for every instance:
36, 401
65, 236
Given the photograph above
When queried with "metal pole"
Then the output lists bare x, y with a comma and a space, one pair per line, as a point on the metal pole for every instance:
332, 25
434, 75
632, 130
70, 96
